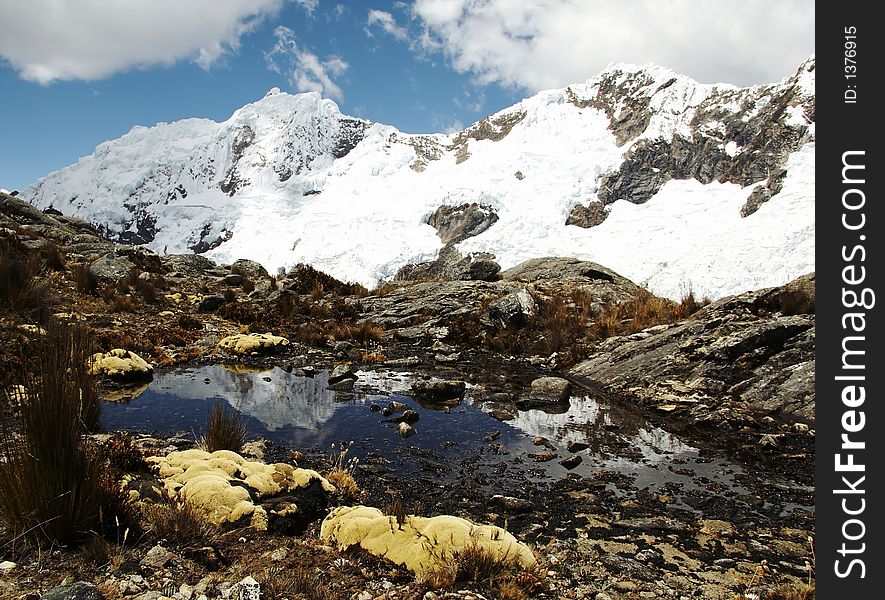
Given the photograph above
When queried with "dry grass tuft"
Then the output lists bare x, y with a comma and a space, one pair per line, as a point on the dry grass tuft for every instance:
54, 485
342, 470
20, 292
225, 430
180, 523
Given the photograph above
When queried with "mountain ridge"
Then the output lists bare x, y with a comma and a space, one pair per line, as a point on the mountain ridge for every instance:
290, 179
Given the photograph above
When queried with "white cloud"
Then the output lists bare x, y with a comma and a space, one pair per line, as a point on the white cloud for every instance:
538, 45
387, 23
48, 40
304, 69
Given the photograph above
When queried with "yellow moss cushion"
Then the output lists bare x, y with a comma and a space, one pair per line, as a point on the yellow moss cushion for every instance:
422, 544
120, 364
250, 343
206, 480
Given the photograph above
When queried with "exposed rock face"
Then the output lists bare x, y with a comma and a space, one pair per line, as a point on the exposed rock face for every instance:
742, 146
455, 224
738, 357
425, 309
587, 216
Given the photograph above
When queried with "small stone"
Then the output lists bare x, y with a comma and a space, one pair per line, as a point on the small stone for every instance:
576, 446
544, 456
6, 566
493, 436
570, 462
405, 430
211, 303
341, 372
278, 554
410, 416
157, 557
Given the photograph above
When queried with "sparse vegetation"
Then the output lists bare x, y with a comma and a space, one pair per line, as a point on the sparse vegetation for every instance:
84, 279
504, 577
54, 487
225, 430
20, 291
342, 470
180, 523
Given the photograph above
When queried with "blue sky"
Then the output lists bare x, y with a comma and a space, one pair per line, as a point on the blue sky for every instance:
75, 74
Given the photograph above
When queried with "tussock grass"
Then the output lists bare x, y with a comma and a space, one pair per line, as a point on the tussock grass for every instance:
54, 485
20, 292
501, 576
84, 280
225, 430
180, 523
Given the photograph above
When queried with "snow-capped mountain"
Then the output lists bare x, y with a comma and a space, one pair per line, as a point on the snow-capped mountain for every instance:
672, 183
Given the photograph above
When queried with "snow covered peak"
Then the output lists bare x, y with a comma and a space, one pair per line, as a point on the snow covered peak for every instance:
635, 153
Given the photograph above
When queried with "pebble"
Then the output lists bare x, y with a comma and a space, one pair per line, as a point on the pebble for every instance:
6, 566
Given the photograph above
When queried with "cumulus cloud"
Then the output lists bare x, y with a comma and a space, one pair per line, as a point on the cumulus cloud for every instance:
538, 45
48, 40
387, 23
304, 69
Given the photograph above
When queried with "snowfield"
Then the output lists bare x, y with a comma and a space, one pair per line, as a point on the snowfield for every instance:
362, 216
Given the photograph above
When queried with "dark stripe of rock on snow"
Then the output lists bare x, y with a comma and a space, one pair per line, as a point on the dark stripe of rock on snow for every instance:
740, 358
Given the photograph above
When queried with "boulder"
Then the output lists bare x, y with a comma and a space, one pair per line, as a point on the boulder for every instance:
423, 545
516, 308
249, 268
405, 430
191, 265
450, 265
211, 303
455, 224
439, 389
546, 391
342, 372
121, 365
252, 343
81, 590
111, 269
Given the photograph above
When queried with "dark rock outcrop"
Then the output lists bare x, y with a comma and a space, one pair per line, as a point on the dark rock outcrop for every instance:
455, 224
588, 216
735, 360
450, 265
